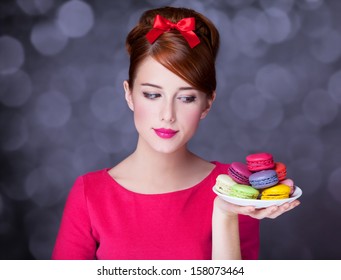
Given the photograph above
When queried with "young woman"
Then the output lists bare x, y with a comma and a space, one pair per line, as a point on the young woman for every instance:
158, 202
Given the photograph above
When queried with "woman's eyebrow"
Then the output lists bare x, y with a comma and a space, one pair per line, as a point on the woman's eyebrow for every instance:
151, 85
156, 86
186, 88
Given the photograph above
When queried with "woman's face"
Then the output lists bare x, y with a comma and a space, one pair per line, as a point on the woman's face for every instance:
167, 110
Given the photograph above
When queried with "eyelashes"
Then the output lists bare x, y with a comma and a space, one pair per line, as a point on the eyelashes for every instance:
187, 99
183, 98
151, 95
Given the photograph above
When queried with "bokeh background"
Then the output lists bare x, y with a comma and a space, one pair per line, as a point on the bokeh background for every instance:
62, 64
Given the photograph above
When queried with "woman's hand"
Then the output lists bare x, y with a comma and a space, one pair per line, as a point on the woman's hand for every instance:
271, 212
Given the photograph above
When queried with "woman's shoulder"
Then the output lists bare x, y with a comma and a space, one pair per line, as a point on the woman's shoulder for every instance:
92, 179
94, 175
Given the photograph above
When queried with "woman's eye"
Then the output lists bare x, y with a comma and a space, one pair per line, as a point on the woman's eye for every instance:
151, 95
187, 99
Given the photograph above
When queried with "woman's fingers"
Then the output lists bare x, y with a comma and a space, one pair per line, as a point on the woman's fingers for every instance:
271, 212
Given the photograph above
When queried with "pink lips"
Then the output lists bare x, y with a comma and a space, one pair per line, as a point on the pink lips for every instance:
165, 133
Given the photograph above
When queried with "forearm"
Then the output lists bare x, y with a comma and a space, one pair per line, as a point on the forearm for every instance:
225, 235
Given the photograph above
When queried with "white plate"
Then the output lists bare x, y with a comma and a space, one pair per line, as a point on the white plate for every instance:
257, 202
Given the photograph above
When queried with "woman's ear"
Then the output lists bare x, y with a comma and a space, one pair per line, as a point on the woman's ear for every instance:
209, 106
128, 95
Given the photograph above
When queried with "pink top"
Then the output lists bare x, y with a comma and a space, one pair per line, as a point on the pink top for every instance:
103, 220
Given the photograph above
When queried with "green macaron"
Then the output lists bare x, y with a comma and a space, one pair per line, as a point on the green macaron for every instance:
243, 191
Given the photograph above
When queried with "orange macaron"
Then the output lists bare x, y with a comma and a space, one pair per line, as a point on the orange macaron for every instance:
281, 170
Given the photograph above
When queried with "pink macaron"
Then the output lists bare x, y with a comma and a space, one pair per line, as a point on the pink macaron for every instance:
290, 183
260, 161
239, 172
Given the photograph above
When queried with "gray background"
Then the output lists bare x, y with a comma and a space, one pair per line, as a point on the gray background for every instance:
62, 64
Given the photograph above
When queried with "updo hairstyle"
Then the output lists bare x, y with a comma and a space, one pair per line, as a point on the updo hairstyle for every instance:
194, 65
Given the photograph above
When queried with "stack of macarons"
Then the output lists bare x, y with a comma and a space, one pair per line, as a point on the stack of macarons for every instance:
259, 178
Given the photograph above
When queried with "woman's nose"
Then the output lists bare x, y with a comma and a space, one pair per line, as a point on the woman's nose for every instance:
168, 112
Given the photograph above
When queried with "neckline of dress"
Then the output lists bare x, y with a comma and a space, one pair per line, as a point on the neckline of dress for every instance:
202, 182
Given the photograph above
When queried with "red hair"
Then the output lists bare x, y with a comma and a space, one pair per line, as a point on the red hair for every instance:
196, 66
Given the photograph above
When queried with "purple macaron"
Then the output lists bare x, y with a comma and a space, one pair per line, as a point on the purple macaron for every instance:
239, 172
263, 179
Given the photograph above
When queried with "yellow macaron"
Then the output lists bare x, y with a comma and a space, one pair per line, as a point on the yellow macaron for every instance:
280, 191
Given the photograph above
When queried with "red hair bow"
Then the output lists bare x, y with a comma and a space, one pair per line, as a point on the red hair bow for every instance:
185, 26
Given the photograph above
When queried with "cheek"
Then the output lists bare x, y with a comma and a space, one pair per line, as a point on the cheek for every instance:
140, 113
193, 117
143, 113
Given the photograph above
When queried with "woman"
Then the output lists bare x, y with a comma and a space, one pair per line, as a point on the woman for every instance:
158, 202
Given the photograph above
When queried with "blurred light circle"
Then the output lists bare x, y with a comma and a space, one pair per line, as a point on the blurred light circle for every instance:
15, 131
41, 225
271, 117
245, 30
228, 41
276, 82
295, 19
307, 146
34, 7
283, 5
12, 55
88, 157
327, 48
98, 75
246, 102
45, 186
255, 50
334, 86
305, 175
334, 184
128, 133
106, 105
273, 25
316, 22
71, 81
192, 4
16, 89
53, 109
14, 191
121, 76
294, 123
244, 27
61, 159
238, 3
319, 108
108, 140
41, 243
75, 18
310, 4
248, 138
48, 39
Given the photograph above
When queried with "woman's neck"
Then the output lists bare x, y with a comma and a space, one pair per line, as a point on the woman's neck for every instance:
148, 171
154, 161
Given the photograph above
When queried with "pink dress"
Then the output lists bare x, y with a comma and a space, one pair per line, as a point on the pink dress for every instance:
103, 220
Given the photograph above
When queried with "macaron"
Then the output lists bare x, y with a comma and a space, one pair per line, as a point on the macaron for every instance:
239, 172
223, 183
281, 170
244, 191
290, 183
263, 179
276, 192
260, 161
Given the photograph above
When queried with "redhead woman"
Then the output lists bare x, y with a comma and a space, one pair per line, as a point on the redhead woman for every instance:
158, 202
